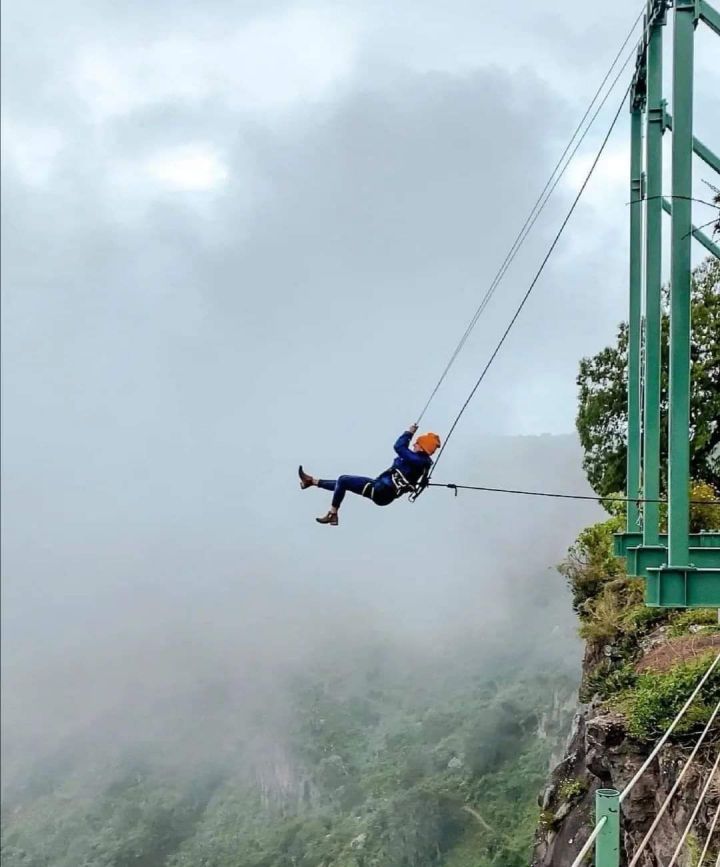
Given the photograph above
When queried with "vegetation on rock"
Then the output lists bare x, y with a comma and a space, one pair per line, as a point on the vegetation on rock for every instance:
427, 767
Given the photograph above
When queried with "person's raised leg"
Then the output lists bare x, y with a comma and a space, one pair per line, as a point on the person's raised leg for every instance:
308, 481
354, 484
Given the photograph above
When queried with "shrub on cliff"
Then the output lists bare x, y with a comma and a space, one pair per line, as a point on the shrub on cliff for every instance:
654, 700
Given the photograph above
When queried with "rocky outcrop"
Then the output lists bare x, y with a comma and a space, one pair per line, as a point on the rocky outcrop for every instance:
601, 754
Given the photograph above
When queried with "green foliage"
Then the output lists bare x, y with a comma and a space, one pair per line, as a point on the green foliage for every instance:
426, 772
640, 618
606, 617
591, 564
704, 517
136, 821
704, 618
651, 704
693, 847
609, 604
602, 415
571, 788
607, 680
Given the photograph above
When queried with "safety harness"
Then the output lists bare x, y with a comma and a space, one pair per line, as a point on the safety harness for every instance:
403, 486
400, 485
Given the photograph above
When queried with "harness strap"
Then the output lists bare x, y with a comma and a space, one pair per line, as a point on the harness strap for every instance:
402, 485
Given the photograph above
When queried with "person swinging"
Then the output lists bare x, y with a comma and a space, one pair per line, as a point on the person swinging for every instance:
410, 469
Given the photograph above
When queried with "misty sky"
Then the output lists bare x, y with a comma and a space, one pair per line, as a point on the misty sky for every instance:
237, 236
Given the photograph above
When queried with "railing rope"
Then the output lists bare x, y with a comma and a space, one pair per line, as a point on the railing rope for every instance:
676, 785
659, 745
589, 842
688, 827
605, 836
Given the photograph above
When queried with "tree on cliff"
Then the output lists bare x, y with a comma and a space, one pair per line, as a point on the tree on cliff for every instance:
602, 415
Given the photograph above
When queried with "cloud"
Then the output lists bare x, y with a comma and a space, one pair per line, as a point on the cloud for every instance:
240, 237
32, 149
194, 167
263, 64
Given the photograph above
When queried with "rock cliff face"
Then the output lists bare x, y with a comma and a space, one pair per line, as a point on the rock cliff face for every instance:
601, 754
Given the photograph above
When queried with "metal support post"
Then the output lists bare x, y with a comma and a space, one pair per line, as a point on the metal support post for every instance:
607, 843
680, 281
653, 285
633, 438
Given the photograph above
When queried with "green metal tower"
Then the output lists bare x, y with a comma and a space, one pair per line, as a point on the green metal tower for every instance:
680, 569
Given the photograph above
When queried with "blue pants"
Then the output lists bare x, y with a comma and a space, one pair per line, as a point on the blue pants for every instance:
381, 494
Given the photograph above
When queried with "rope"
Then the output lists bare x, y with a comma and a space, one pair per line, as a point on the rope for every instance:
670, 196
709, 838
666, 802
694, 814
544, 262
588, 843
626, 791
557, 496
532, 217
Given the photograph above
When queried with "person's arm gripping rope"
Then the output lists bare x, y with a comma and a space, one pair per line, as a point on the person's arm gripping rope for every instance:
402, 444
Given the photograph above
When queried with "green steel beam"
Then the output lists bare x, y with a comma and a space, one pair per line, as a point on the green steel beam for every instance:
704, 152
623, 542
653, 285
683, 588
645, 557
701, 149
709, 245
680, 278
636, 252
710, 16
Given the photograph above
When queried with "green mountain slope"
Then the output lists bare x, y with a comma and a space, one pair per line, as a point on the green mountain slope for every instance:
437, 761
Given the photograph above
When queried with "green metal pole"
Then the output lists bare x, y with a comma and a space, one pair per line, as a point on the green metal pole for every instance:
653, 283
682, 143
607, 844
633, 435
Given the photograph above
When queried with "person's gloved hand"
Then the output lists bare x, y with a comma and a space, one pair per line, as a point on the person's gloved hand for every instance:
413, 428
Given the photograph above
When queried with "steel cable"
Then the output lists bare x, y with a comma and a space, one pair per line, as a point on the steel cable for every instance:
544, 262
689, 825
676, 785
534, 213
553, 495
658, 746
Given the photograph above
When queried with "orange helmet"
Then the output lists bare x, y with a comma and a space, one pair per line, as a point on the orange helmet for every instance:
428, 443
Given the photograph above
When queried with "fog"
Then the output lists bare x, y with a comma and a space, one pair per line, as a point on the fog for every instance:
246, 237
180, 646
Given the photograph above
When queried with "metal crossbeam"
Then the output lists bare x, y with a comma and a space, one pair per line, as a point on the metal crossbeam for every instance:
701, 149
710, 16
709, 245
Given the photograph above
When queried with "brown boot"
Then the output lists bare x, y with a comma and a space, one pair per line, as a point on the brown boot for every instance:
331, 518
306, 481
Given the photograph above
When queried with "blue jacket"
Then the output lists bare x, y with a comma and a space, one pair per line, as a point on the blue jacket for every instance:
411, 464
